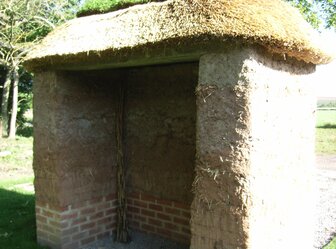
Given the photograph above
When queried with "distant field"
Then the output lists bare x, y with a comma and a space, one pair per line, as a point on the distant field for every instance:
326, 102
326, 132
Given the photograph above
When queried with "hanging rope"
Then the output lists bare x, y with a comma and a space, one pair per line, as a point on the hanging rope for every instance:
122, 229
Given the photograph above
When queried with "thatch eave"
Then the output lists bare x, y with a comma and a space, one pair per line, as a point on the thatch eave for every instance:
164, 52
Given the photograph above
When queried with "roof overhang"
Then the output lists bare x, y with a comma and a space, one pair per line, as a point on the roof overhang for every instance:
178, 31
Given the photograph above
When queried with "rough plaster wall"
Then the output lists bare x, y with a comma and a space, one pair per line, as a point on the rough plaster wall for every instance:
45, 139
252, 170
219, 211
282, 111
74, 155
160, 140
74, 147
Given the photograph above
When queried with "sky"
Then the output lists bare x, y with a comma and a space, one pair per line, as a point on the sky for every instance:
327, 73
326, 80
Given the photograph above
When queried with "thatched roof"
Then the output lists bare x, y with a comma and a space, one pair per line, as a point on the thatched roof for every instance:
178, 30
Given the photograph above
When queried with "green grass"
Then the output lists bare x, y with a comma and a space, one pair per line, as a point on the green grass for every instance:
17, 206
17, 215
103, 6
326, 132
21, 154
10, 184
331, 245
326, 119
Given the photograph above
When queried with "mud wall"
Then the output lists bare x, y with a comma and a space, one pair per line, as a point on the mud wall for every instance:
254, 150
74, 147
160, 140
282, 129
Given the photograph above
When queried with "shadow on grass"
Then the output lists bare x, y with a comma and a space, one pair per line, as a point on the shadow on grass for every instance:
17, 220
327, 126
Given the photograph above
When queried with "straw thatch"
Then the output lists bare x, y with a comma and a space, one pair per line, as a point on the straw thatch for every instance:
180, 30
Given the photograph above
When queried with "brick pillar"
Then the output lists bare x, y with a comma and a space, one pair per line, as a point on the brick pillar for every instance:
254, 152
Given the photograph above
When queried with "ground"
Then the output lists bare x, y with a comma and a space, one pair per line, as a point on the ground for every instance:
326, 204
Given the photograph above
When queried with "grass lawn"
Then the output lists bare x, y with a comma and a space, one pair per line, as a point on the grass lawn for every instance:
17, 215
17, 204
326, 132
19, 157
331, 245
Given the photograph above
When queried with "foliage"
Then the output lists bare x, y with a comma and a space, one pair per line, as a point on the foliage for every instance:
22, 24
102, 6
25, 22
25, 102
24, 117
311, 10
306, 7
329, 9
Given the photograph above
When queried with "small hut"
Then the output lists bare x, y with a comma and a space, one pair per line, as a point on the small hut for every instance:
189, 119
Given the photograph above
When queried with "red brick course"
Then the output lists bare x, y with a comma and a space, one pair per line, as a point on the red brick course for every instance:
153, 215
77, 225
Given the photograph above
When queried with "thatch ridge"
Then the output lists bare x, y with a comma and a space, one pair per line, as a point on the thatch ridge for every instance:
258, 22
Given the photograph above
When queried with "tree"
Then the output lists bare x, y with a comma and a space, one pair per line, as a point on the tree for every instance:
329, 9
22, 24
317, 12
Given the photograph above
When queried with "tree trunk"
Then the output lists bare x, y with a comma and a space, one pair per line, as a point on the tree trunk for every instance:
4, 103
12, 127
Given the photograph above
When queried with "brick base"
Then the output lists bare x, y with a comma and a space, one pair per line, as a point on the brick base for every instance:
152, 215
77, 225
